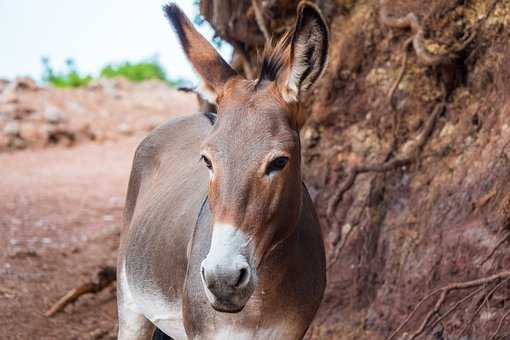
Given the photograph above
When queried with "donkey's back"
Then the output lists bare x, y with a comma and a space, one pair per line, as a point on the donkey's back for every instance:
166, 189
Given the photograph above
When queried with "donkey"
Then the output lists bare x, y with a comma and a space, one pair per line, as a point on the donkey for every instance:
221, 239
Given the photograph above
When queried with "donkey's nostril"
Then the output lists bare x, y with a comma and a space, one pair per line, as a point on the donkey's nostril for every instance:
230, 276
243, 279
208, 283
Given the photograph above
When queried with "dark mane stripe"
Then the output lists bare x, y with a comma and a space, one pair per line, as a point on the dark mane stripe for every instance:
274, 58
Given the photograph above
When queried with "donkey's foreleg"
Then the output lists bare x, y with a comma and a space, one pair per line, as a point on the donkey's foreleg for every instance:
133, 326
132, 323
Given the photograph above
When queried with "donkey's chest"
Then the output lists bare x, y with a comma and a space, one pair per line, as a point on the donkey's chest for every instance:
226, 331
163, 311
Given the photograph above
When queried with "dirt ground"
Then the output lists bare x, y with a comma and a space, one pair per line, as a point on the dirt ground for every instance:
61, 208
61, 203
60, 213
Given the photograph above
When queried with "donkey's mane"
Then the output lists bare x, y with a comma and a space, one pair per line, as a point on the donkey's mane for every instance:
274, 57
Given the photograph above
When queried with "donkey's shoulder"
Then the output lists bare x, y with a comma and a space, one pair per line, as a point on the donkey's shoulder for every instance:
170, 151
180, 134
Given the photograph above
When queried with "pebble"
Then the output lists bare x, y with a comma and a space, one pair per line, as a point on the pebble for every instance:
53, 115
125, 129
11, 129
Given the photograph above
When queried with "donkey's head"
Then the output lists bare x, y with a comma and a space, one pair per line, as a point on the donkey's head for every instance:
253, 151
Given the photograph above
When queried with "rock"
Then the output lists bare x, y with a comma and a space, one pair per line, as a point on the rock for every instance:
9, 110
437, 332
74, 106
104, 84
53, 115
25, 83
125, 129
311, 136
47, 130
23, 110
23, 253
28, 131
12, 128
9, 95
3, 84
4, 141
151, 123
18, 143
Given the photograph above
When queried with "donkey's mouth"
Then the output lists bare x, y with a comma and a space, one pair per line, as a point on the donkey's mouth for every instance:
226, 307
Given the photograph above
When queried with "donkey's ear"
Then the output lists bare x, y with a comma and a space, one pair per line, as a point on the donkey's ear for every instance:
308, 51
210, 66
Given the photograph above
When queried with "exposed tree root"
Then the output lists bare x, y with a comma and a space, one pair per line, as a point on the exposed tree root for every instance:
343, 239
500, 324
485, 300
411, 21
491, 9
400, 74
104, 278
417, 40
455, 306
496, 247
389, 165
505, 276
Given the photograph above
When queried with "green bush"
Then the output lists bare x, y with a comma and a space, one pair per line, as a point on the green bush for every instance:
144, 70
139, 71
70, 78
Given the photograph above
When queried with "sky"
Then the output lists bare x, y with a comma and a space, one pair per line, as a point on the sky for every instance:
92, 32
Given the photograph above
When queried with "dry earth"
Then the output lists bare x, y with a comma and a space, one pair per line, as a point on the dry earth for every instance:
60, 212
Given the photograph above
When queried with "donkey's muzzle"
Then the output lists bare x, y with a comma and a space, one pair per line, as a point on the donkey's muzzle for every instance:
228, 282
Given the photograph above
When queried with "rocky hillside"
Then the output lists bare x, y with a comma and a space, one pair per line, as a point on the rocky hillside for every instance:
33, 116
408, 155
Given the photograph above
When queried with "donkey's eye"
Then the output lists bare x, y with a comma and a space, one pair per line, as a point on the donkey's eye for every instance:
207, 162
277, 164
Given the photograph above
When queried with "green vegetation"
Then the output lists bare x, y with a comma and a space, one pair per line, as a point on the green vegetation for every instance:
139, 71
70, 78
147, 69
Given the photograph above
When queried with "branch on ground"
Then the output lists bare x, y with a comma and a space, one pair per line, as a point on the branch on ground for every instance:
103, 279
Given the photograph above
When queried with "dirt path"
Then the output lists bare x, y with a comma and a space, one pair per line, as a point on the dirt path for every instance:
58, 208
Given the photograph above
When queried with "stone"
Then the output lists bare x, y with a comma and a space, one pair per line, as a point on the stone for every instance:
28, 131
125, 129
11, 128
53, 115
9, 95
25, 83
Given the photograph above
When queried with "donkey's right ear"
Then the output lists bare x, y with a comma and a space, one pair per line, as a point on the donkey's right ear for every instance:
210, 66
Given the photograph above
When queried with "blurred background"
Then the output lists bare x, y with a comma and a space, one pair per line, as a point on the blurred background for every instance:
92, 35
406, 155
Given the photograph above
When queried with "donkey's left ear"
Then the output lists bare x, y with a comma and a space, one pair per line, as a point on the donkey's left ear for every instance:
210, 66
308, 51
